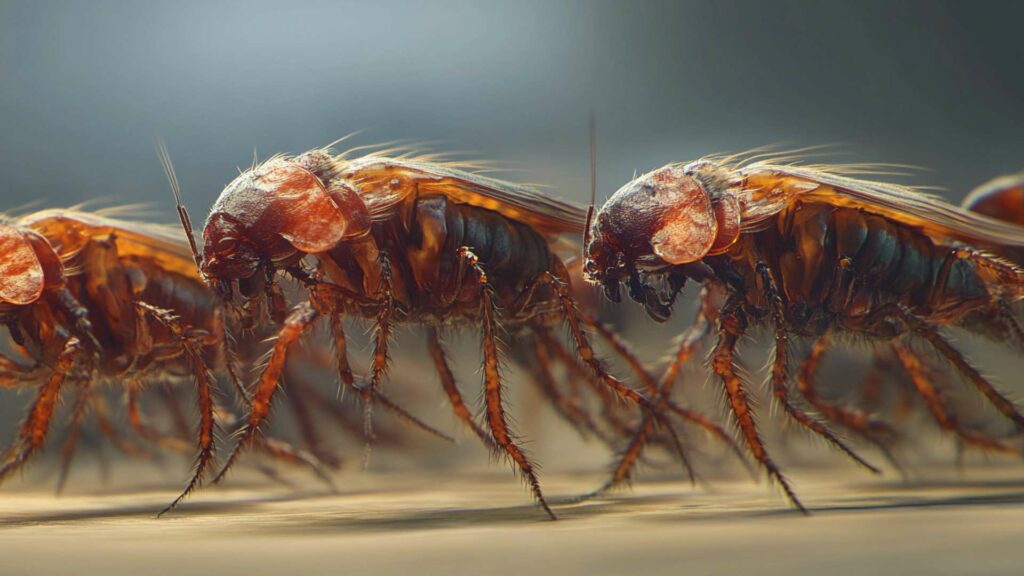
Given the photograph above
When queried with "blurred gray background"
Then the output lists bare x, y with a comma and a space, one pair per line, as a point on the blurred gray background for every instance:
87, 87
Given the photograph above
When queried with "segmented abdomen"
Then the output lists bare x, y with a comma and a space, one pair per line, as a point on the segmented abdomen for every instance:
848, 266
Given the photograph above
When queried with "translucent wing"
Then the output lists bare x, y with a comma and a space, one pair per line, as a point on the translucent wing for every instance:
767, 189
68, 230
385, 182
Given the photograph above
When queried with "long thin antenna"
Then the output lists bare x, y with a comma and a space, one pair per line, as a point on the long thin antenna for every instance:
593, 179
172, 179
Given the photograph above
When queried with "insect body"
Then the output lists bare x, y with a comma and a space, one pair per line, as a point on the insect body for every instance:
400, 240
811, 252
86, 297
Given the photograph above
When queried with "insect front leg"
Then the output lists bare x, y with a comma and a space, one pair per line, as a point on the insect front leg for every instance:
780, 374
496, 420
36, 426
298, 322
688, 344
731, 327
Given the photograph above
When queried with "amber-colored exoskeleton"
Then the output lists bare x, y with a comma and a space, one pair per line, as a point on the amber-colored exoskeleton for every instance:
815, 252
406, 240
88, 298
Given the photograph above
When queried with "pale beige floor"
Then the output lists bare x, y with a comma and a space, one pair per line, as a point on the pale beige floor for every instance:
482, 524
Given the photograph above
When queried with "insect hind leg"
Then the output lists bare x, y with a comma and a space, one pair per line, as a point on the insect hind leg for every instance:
930, 332
496, 418
945, 418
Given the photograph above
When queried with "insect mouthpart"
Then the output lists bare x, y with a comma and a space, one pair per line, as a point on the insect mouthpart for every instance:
656, 290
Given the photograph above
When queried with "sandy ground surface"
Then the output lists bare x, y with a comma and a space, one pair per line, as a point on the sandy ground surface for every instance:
398, 524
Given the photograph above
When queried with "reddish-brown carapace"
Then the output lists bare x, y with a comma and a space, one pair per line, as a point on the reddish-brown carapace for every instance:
410, 240
90, 299
816, 252
86, 298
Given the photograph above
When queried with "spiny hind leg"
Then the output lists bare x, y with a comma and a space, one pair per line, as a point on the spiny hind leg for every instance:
36, 426
932, 397
493, 389
723, 365
930, 332
382, 339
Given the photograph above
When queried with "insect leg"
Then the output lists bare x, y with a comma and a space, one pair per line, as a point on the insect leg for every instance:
722, 364
289, 454
299, 400
14, 375
204, 390
578, 373
931, 333
868, 427
451, 388
689, 341
67, 450
933, 399
573, 318
567, 407
380, 352
298, 322
111, 433
145, 430
496, 419
855, 420
780, 373
37, 424
1006, 315
586, 351
345, 377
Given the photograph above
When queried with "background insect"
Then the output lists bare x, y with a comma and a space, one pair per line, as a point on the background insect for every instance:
407, 240
88, 298
813, 252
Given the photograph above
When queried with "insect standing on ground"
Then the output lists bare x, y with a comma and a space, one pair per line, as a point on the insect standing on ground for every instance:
404, 240
87, 299
813, 252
